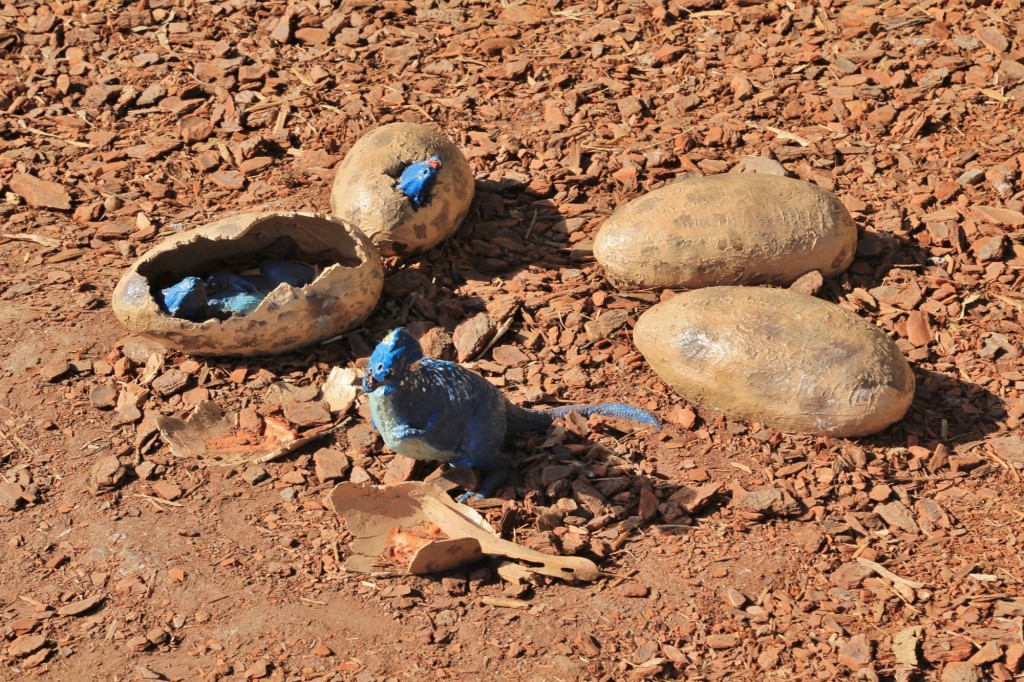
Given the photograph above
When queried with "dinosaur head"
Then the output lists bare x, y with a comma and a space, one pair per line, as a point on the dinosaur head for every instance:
391, 360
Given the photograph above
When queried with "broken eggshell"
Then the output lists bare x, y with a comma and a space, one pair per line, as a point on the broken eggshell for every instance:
417, 527
365, 194
289, 317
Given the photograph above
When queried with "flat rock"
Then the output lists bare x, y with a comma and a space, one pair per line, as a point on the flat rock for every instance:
11, 495
40, 193
330, 464
768, 501
25, 645
999, 216
692, 500
282, 393
726, 641
54, 371
605, 324
77, 608
809, 284
760, 164
170, 382
947, 650
960, 672
399, 470
473, 335
312, 413
856, 653
167, 490
228, 179
897, 515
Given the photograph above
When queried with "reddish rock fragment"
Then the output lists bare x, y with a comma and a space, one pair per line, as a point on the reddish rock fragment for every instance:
79, 607
399, 470
25, 645
167, 490
632, 589
40, 193
856, 653
313, 413
721, 641
960, 672
228, 179
473, 335
946, 650
330, 464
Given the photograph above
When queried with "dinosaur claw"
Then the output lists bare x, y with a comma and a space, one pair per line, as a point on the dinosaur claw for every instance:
469, 496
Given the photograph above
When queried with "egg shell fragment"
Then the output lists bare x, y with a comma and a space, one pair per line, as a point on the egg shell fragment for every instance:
787, 360
364, 191
341, 296
740, 228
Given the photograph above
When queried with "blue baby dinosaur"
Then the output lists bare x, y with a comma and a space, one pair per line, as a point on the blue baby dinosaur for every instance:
440, 411
417, 179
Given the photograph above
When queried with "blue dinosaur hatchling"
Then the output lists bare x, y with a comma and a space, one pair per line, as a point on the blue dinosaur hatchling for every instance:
417, 179
185, 299
438, 410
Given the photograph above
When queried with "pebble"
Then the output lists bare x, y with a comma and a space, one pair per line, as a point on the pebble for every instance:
103, 396
259, 669
107, 474
971, 176
633, 590
760, 164
253, 475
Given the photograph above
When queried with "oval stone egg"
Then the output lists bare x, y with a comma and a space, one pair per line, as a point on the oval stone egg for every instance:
347, 285
787, 360
740, 228
368, 188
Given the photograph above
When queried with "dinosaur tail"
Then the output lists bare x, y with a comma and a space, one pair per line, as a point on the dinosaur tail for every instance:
520, 419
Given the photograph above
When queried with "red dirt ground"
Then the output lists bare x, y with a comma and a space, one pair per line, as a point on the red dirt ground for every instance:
161, 115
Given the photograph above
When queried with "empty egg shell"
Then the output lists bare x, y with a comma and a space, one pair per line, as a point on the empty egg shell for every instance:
288, 318
364, 191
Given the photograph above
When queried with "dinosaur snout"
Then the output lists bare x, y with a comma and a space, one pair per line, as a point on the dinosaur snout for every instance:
374, 377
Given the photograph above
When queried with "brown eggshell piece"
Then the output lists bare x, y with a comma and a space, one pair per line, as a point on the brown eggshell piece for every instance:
778, 357
342, 296
364, 191
742, 228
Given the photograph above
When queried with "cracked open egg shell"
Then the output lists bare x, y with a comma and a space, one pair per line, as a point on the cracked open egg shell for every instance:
346, 289
736, 228
781, 358
365, 194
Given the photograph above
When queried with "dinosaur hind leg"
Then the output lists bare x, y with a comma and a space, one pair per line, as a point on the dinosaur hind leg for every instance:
480, 451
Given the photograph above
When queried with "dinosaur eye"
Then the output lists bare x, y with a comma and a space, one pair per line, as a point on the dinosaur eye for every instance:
380, 366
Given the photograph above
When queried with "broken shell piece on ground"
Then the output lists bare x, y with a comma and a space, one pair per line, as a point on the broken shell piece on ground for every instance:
406, 186
343, 294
